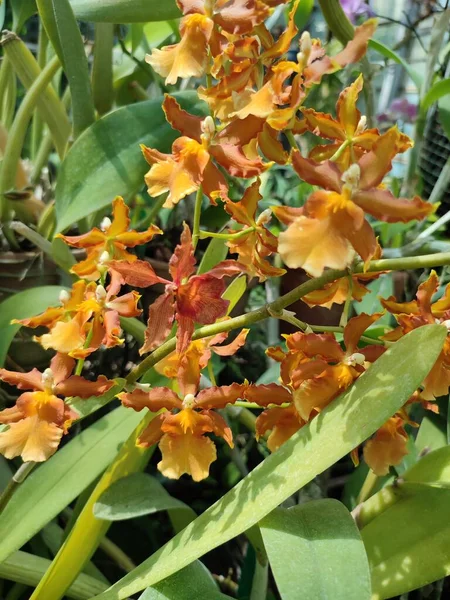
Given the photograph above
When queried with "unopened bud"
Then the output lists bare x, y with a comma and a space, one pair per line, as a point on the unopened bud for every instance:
105, 224
264, 217
352, 175
104, 257
445, 323
357, 358
64, 296
100, 293
305, 43
362, 124
208, 128
189, 401
48, 379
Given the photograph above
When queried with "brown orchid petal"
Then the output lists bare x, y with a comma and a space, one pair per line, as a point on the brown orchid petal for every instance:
387, 447
160, 318
82, 388
241, 16
383, 205
185, 330
121, 219
282, 422
126, 305
347, 113
87, 240
111, 324
240, 132
219, 397
287, 214
271, 146
201, 299
233, 160
323, 125
220, 427
154, 399
267, 394
325, 175
363, 241
233, 347
189, 368
186, 124
62, 367
23, 381
214, 184
11, 415
46, 319
130, 239
356, 327
182, 263
244, 211
152, 433
136, 274
375, 164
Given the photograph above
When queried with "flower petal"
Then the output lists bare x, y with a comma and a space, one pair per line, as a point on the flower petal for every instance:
186, 124
323, 125
383, 205
282, 422
233, 160
347, 113
182, 262
152, 433
61, 366
188, 453
154, 399
355, 329
233, 347
65, 337
326, 175
266, 394
201, 299
219, 397
136, 274
32, 439
82, 388
23, 381
160, 318
121, 219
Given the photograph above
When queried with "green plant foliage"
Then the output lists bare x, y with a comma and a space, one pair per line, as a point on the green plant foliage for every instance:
336, 431
316, 552
125, 11
408, 537
21, 306
62, 30
28, 569
215, 252
193, 581
134, 496
106, 160
22, 10
390, 54
54, 484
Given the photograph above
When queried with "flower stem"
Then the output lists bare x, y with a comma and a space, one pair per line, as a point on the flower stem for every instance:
225, 236
21, 474
291, 139
254, 316
197, 215
80, 363
339, 152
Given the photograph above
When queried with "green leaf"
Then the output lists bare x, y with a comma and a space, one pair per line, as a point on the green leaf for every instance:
22, 10
55, 483
408, 537
2, 13
28, 569
134, 496
444, 113
87, 531
21, 306
384, 287
106, 160
62, 30
316, 552
125, 11
432, 433
342, 426
390, 54
437, 91
214, 253
235, 291
191, 582
303, 13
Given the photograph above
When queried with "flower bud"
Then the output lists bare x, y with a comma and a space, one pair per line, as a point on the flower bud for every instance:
208, 128
351, 176
362, 124
104, 257
64, 296
189, 401
48, 380
105, 224
357, 358
100, 293
264, 217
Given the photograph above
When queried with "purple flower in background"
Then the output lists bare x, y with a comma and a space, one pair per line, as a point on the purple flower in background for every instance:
356, 8
400, 109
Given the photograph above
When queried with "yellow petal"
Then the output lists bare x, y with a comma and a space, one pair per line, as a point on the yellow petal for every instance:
191, 454
31, 438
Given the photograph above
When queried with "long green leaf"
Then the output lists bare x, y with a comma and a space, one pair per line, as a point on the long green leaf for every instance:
316, 552
125, 11
437, 91
88, 531
54, 484
408, 538
28, 569
134, 496
342, 426
106, 160
191, 582
21, 306
388, 53
62, 30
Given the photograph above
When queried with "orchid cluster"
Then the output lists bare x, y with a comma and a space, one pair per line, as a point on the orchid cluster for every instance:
255, 96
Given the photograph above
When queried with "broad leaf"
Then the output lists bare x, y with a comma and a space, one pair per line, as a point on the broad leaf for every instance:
21, 306
316, 552
28, 569
106, 160
55, 483
134, 496
342, 426
125, 11
88, 531
191, 582
437, 91
408, 541
22, 10
235, 291
214, 253
303, 13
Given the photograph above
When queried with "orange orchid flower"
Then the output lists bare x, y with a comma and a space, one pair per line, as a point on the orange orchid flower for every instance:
88, 312
191, 163
180, 431
109, 242
314, 371
348, 131
40, 417
387, 447
255, 242
418, 313
335, 219
199, 29
188, 298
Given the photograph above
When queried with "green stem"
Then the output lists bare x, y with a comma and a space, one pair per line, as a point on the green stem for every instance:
21, 474
339, 152
291, 139
348, 301
368, 487
37, 126
226, 236
80, 363
19, 129
197, 216
254, 316
117, 554
154, 212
